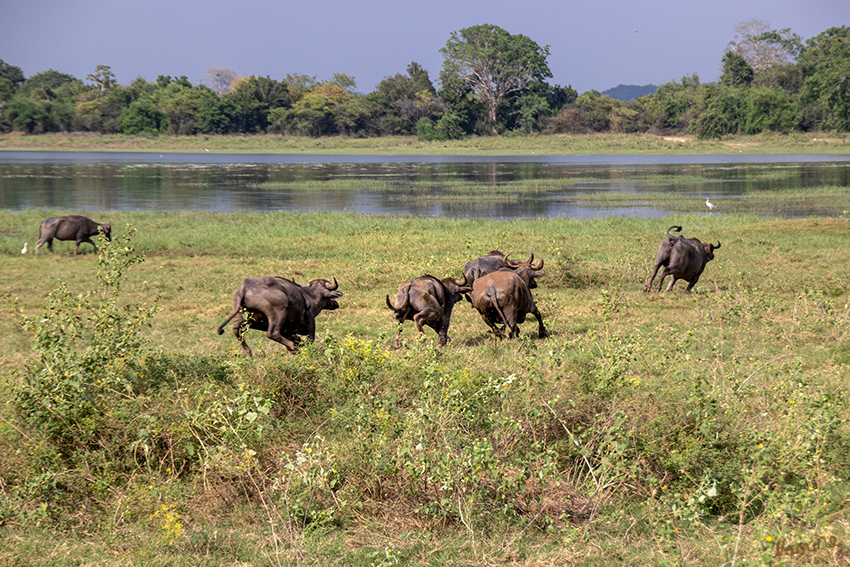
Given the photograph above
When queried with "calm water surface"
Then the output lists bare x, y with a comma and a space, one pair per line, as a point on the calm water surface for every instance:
405, 185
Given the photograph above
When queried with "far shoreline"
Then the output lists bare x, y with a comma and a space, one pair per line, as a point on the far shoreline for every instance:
542, 145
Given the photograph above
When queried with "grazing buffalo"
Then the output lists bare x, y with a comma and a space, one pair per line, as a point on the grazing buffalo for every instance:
73, 227
682, 258
503, 298
282, 308
493, 261
427, 301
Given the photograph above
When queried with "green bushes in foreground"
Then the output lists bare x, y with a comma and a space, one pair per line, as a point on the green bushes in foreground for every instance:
721, 440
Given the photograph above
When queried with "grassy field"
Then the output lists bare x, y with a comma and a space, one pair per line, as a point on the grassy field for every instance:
708, 428
592, 144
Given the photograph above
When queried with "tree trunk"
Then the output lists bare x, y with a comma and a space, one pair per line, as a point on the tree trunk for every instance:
492, 115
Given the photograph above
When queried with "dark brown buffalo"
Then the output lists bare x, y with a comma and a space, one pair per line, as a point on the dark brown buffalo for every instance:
503, 298
282, 308
682, 258
73, 227
427, 301
493, 261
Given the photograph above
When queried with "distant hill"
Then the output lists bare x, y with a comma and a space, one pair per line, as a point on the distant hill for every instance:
629, 92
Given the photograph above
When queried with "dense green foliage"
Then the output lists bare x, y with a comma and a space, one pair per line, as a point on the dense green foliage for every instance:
492, 82
494, 65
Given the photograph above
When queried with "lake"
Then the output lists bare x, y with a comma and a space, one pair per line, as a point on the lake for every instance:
91, 182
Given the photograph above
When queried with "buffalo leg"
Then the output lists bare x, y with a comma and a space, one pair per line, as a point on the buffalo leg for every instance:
40, 243
648, 286
511, 325
311, 330
275, 325
693, 282
417, 320
429, 310
664, 275
275, 335
541, 330
442, 332
490, 317
87, 239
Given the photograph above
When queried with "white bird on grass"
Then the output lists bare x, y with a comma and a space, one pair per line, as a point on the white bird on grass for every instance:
711, 206
24, 249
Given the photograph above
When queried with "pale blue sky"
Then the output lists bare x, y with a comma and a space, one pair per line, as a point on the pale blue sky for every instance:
594, 44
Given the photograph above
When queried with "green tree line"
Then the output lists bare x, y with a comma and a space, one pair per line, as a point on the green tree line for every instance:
492, 83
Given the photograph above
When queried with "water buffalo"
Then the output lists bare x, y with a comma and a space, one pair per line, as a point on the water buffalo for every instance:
427, 301
503, 298
71, 227
682, 258
493, 261
282, 308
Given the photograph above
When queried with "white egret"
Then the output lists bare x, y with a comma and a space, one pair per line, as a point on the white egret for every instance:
24, 249
711, 206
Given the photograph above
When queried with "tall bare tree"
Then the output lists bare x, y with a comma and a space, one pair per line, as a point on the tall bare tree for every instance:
103, 77
762, 47
220, 78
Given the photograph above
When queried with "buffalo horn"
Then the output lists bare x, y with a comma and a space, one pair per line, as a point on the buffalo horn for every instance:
390, 305
509, 263
531, 263
329, 287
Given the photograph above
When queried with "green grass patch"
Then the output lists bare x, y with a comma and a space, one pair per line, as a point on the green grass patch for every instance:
815, 202
706, 428
592, 144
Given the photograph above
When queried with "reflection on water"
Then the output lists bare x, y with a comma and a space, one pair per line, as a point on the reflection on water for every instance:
406, 185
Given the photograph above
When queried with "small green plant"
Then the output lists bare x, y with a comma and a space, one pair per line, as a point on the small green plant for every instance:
386, 557
89, 352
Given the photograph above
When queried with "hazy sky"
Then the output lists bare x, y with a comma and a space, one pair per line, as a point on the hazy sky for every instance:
594, 44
